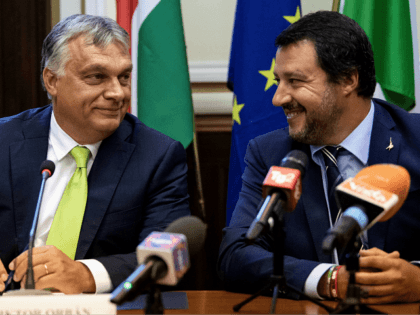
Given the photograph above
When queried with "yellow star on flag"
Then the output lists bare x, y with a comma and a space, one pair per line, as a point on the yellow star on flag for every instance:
235, 111
269, 74
292, 19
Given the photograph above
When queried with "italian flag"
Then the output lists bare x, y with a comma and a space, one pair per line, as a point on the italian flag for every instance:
392, 31
161, 92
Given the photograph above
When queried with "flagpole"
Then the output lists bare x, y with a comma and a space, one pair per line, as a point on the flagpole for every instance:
198, 177
415, 36
335, 5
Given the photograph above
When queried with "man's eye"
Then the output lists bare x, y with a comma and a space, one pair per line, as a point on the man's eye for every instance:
124, 79
96, 76
294, 80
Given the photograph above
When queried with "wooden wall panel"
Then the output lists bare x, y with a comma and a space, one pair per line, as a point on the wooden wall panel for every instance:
214, 152
23, 27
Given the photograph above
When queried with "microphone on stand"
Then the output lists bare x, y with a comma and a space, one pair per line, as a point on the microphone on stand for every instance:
375, 194
282, 188
163, 258
47, 170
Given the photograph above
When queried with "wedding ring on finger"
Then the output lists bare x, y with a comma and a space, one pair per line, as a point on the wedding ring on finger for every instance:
46, 269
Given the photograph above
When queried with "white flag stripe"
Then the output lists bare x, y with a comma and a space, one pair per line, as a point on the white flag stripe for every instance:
415, 33
142, 11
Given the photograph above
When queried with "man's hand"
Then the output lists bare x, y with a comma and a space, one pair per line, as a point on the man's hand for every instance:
54, 269
395, 279
343, 275
3, 276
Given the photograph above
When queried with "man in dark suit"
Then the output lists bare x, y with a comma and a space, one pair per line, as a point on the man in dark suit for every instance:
326, 79
137, 177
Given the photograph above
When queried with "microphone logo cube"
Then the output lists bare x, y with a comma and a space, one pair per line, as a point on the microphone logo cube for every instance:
355, 191
286, 179
171, 248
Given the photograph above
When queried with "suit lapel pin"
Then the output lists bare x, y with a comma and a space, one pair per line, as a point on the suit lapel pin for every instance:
390, 145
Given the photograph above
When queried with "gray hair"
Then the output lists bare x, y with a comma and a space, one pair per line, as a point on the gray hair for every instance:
97, 30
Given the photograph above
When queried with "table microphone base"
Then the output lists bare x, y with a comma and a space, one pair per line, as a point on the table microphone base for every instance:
27, 292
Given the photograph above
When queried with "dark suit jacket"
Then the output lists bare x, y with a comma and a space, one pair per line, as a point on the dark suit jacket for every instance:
246, 268
137, 184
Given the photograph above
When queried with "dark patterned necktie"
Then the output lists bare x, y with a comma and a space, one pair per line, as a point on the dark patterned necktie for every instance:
334, 177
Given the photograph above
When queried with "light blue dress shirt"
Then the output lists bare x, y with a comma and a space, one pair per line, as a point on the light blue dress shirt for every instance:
350, 162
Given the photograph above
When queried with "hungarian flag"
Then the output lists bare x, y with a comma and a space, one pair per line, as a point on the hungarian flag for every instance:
161, 93
251, 78
388, 25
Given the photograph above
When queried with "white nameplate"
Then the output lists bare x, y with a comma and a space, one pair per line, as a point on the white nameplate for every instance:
57, 304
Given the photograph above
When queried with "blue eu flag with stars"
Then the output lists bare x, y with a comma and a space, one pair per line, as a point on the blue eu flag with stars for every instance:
251, 78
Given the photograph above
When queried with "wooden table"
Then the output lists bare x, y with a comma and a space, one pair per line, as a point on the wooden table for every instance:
221, 302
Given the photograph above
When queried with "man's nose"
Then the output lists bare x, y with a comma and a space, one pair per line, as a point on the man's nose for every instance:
114, 90
282, 95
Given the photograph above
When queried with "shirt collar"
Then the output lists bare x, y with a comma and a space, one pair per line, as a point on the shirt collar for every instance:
62, 143
357, 143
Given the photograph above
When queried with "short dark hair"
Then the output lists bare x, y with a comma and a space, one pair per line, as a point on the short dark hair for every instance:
341, 46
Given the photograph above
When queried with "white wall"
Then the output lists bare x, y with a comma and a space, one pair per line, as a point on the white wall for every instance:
208, 26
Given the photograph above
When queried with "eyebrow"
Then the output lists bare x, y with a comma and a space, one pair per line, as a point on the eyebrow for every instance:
295, 73
97, 67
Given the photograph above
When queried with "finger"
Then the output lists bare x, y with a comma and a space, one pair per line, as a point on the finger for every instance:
379, 290
375, 278
24, 256
2, 269
3, 276
38, 258
49, 282
378, 262
394, 254
380, 299
42, 270
372, 252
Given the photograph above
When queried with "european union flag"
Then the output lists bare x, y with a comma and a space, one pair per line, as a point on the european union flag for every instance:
251, 78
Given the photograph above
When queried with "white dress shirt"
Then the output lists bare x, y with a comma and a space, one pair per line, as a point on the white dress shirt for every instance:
59, 146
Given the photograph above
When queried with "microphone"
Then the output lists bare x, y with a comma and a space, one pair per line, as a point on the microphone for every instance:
163, 258
375, 194
47, 170
282, 188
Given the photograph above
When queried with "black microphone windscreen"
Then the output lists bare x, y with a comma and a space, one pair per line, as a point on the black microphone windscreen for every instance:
48, 165
194, 230
297, 160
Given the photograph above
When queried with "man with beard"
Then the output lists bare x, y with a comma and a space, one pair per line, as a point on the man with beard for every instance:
326, 79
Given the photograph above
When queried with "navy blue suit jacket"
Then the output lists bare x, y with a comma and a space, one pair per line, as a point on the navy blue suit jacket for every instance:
248, 267
137, 184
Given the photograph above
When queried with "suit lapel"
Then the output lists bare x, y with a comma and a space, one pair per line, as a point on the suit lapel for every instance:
110, 163
26, 157
383, 134
313, 195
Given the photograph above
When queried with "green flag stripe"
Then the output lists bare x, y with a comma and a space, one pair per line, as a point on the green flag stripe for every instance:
387, 24
163, 87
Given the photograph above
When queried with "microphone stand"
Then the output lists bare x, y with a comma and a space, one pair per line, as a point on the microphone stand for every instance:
277, 280
154, 303
30, 282
351, 304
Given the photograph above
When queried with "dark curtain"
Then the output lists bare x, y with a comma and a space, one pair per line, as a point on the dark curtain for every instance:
23, 27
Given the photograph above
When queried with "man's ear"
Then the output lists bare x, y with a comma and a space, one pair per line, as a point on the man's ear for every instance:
50, 81
350, 83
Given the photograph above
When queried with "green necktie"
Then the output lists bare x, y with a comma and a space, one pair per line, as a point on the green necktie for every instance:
65, 229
